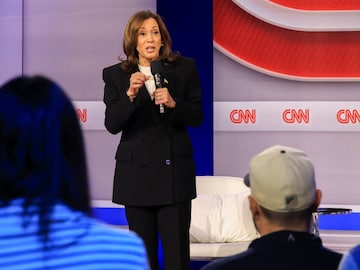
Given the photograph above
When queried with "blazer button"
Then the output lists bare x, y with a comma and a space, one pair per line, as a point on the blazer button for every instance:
167, 162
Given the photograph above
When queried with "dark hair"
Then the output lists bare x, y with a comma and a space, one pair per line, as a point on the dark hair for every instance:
42, 157
131, 35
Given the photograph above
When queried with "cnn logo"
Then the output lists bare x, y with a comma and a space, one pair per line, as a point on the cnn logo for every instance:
240, 116
82, 115
345, 116
291, 116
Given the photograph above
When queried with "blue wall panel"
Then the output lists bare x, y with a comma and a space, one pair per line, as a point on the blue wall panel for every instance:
190, 26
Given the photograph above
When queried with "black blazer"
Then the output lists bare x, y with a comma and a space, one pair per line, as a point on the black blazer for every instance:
154, 159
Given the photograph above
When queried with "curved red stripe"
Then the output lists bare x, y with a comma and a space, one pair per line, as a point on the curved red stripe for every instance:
288, 52
320, 4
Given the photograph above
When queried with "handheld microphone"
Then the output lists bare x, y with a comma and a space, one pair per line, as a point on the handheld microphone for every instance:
156, 69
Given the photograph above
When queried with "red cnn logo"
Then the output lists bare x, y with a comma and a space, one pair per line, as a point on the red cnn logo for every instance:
240, 116
292, 115
82, 115
345, 116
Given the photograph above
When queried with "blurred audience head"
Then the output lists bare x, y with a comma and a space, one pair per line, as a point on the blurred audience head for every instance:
283, 188
42, 157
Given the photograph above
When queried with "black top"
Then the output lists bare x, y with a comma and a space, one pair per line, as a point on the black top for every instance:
281, 250
154, 158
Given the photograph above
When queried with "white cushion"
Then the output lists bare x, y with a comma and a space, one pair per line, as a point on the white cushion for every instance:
221, 218
211, 251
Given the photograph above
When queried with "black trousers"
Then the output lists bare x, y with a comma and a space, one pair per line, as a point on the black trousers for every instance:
172, 223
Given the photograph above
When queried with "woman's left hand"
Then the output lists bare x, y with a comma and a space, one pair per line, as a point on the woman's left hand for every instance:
162, 96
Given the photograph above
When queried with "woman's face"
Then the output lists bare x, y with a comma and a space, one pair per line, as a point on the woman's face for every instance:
148, 42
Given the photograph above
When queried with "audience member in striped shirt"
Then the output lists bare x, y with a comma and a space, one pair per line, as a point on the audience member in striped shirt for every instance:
45, 208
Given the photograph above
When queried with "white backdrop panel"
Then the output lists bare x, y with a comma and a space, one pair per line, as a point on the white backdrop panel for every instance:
335, 153
71, 41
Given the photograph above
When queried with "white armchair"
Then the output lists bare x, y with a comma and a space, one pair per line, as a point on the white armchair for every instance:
221, 223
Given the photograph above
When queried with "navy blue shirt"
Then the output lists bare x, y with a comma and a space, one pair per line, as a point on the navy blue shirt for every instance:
281, 250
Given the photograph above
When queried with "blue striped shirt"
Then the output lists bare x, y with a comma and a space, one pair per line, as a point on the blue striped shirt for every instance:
76, 240
351, 259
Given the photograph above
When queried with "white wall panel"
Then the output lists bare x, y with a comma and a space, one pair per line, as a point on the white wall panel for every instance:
10, 39
71, 41
335, 153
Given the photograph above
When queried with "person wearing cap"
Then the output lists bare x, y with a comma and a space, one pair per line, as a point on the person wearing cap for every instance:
282, 200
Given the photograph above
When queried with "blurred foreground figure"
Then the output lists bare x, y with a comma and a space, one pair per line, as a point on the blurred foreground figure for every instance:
282, 200
44, 192
351, 259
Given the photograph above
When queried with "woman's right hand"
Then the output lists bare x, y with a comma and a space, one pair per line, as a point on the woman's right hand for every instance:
137, 80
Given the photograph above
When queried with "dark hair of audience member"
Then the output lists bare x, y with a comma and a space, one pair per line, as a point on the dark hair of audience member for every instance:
42, 156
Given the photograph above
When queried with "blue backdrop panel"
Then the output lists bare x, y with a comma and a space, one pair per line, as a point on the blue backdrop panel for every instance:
190, 26
116, 216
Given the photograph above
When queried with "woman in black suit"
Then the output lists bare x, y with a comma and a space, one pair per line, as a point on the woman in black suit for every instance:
155, 171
